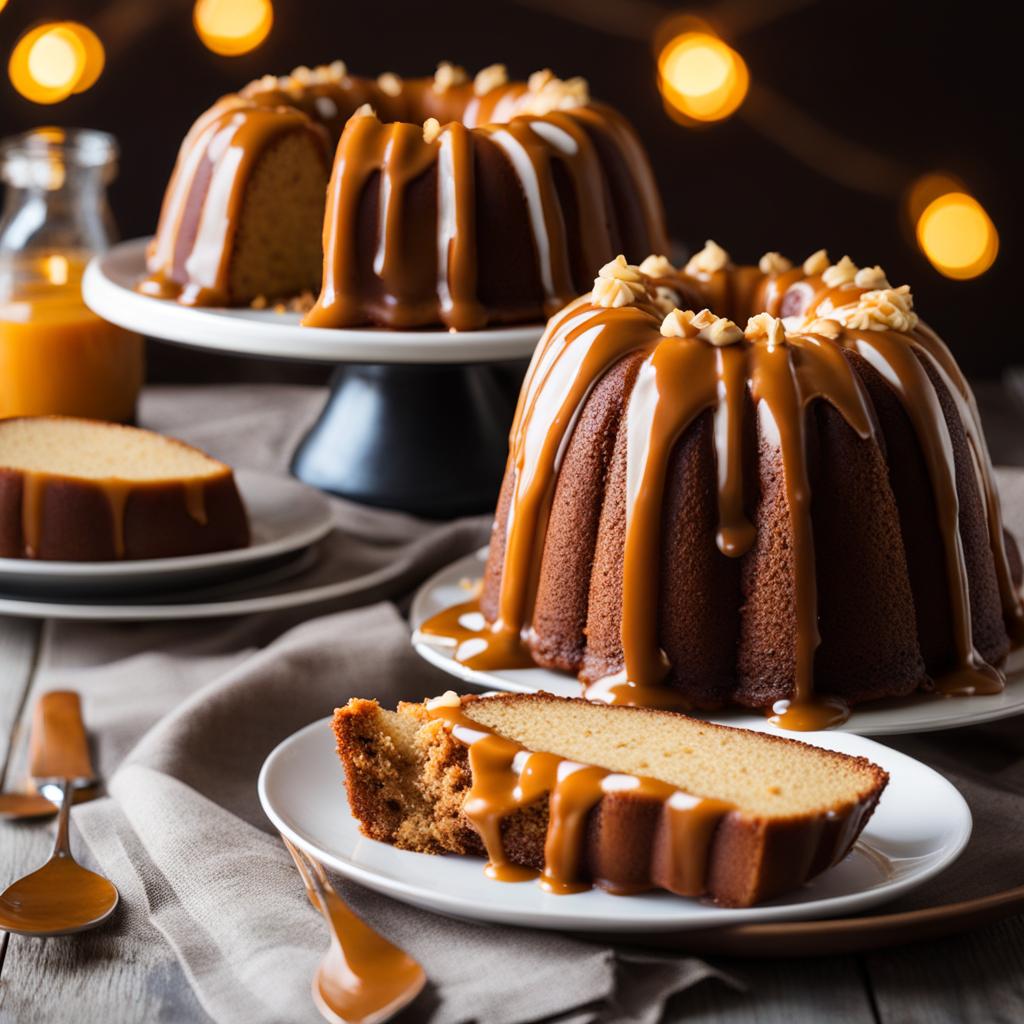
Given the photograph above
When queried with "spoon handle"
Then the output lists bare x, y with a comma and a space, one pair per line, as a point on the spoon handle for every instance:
58, 749
62, 844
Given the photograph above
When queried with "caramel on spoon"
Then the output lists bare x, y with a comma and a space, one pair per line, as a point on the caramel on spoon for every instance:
61, 897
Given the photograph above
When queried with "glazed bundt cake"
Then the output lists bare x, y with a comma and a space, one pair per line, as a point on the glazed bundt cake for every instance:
453, 201
629, 799
798, 516
84, 490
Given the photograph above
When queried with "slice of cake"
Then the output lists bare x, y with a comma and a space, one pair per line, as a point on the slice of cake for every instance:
83, 490
586, 793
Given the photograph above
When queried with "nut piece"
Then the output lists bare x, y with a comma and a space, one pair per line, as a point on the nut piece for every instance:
710, 259
546, 93
871, 277
539, 79
767, 328
490, 78
618, 283
448, 699
888, 309
840, 273
772, 263
716, 330
431, 129
447, 76
657, 266
816, 263
364, 111
264, 84
824, 326
389, 83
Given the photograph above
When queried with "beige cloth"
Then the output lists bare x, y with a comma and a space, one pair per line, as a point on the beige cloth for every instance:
202, 704
184, 838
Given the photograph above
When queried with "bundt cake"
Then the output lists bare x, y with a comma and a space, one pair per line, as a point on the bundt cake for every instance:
798, 516
85, 490
629, 799
453, 201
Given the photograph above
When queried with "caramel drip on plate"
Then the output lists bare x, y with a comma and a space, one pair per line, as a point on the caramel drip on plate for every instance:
678, 380
508, 778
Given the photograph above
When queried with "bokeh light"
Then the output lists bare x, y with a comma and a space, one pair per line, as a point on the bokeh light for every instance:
957, 235
232, 27
701, 77
55, 60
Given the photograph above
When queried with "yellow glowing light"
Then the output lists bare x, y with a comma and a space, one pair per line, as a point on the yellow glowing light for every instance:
232, 27
701, 77
958, 236
54, 60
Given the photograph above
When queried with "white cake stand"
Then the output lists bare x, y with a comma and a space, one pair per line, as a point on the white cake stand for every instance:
416, 420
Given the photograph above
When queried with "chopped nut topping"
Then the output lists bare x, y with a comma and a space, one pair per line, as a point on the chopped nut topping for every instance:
448, 75
448, 699
264, 84
709, 260
657, 266
816, 263
716, 330
539, 79
553, 94
490, 78
336, 70
765, 327
260, 302
871, 277
612, 293
618, 283
431, 129
679, 324
773, 263
824, 326
364, 111
389, 83
301, 75
840, 273
887, 309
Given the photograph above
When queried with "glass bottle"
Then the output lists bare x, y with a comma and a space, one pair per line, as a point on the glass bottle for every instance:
56, 356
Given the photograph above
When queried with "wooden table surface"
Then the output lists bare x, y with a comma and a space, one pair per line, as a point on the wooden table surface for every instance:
101, 977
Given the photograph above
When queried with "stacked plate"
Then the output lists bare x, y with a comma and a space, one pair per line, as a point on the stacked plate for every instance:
289, 523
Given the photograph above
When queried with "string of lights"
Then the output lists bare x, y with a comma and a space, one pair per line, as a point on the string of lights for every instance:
701, 75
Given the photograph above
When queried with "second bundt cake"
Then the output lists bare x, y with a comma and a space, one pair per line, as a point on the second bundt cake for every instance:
796, 516
452, 201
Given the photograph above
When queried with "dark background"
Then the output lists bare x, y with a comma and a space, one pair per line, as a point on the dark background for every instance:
912, 87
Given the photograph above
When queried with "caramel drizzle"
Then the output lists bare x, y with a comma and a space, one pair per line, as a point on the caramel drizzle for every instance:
678, 380
116, 492
508, 778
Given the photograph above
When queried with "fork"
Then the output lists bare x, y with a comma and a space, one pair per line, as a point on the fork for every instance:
363, 978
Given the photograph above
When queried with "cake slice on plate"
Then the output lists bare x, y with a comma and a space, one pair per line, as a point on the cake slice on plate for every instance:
82, 490
628, 799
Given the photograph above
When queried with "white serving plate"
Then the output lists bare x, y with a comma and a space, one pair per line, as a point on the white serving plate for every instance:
108, 289
927, 714
919, 828
285, 516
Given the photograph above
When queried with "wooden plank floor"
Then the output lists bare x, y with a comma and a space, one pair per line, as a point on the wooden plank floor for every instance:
124, 972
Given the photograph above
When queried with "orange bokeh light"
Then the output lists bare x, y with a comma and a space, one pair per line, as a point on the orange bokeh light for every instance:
957, 235
701, 77
232, 27
55, 60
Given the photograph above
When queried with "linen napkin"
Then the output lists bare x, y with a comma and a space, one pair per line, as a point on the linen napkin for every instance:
183, 836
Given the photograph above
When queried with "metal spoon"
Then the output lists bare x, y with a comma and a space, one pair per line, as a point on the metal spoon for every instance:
363, 978
61, 897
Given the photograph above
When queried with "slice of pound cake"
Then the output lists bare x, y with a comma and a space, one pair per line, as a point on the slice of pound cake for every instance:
584, 793
82, 490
